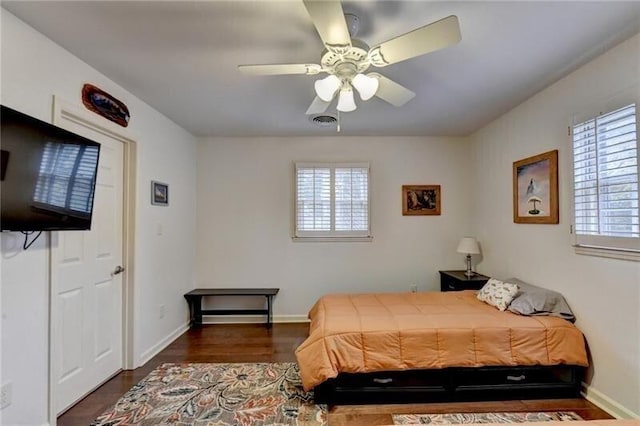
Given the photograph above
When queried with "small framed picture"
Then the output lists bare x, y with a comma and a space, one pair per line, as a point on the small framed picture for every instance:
535, 189
420, 200
159, 193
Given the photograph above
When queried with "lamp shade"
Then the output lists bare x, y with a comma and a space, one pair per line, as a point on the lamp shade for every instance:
468, 245
327, 87
366, 86
346, 103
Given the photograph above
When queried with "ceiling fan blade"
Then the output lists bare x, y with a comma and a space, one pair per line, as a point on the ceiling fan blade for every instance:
392, 92
328, 18
429, 38
318, 106
280, 69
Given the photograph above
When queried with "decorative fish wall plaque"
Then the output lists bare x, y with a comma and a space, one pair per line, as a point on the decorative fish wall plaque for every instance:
100, 102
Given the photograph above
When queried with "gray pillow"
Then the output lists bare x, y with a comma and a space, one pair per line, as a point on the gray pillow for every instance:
533, 300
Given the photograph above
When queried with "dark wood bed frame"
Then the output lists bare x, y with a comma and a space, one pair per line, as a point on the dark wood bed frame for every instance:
452, 384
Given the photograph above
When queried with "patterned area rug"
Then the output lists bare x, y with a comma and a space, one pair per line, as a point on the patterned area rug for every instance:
465, 418
217, 394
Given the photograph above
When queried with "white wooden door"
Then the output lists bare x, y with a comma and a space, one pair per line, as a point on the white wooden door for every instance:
86, 294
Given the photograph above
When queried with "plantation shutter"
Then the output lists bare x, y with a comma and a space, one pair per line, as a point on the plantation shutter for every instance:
313, 199
605, 164
352, 199
332, 200
65, 178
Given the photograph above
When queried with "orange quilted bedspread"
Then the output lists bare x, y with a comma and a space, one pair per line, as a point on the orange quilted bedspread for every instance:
359, 333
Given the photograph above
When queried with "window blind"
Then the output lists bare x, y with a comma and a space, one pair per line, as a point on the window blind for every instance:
352, 199
313, 199
605, 172
332, 200
65, 178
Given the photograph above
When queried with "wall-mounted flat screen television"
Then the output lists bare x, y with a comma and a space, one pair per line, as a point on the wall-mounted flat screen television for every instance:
47, 177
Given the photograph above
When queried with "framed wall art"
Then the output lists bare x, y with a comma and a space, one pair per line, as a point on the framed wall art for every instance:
421, 200
535, 189
159, 193
102, 103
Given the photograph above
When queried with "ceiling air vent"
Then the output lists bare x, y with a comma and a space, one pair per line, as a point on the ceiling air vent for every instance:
324, 120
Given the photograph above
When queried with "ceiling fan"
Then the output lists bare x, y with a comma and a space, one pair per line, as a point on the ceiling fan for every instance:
346, 59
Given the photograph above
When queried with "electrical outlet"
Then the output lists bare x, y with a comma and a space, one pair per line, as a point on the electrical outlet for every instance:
5, 395
414, 289
161, 311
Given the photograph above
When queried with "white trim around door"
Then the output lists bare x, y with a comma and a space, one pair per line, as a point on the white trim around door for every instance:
65, 114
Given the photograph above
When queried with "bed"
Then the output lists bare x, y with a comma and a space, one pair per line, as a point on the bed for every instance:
419, 347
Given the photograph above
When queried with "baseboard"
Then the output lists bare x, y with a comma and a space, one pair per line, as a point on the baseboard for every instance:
155, 349
250, 319
607, 404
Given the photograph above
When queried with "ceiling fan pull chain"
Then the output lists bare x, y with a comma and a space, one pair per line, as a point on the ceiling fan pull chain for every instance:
338, 126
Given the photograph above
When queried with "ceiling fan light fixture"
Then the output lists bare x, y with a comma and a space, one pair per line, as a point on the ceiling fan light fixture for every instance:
345, 58
366, 86
327, 87
346, 103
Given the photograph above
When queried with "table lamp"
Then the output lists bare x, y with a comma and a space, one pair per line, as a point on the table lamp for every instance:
468, 246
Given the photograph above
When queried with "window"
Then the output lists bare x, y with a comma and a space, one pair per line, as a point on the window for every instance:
66, 177
332, 200
605, 175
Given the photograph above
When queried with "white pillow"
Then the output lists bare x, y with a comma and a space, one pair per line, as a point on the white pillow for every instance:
498, 293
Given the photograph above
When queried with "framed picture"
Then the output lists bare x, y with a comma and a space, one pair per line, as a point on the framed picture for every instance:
102, 103
159, 193
420, 200
535, 189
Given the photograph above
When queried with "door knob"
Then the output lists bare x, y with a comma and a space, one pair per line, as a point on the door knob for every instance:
119, 269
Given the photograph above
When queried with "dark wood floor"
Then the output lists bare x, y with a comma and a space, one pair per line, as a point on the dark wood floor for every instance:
254, 343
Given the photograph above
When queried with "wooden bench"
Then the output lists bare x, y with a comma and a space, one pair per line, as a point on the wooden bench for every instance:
194, 299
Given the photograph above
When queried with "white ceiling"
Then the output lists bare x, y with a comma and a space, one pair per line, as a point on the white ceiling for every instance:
181, 57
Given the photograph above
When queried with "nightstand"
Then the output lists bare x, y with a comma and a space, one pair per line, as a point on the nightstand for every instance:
457, 280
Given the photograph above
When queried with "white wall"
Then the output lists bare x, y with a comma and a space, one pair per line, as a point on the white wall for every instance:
604, 293
33, 70
245, 202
